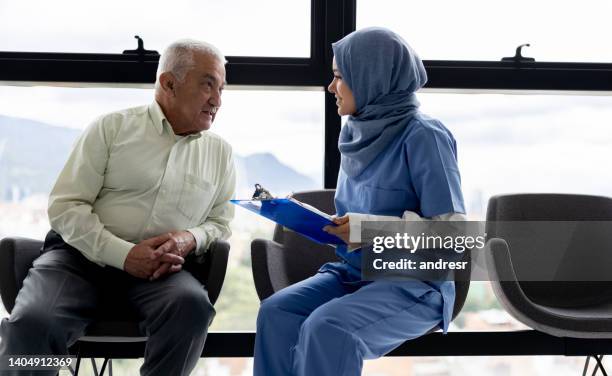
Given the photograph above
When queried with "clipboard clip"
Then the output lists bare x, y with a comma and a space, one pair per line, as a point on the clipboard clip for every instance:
261, 193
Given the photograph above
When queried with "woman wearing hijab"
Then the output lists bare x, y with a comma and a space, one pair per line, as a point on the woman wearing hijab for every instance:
395, 162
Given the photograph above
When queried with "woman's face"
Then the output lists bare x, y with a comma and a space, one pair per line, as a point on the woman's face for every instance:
344, 96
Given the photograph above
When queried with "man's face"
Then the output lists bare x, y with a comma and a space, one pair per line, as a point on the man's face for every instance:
197, 98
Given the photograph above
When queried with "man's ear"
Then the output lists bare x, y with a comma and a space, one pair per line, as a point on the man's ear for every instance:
167, 82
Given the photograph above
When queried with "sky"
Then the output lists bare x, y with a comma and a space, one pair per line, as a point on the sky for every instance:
558, 30
235, 26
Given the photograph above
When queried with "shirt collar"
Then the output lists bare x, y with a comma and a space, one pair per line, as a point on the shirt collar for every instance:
160, 121
158, 117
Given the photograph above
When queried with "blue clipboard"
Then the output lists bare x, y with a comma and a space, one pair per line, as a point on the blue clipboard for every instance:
295, 215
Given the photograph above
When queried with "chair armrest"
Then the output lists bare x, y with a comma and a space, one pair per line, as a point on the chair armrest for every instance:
505, 283
210, 271
218, 254
499, 263
16, 258
269, 267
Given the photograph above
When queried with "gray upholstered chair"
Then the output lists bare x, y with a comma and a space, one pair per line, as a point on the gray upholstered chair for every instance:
576, 301
274, 268
574, 296
289, 257
119, 324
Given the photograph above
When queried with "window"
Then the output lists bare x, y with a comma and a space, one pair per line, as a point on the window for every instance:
526, 143
271, 132
490, 30
507, 143
242, 27
511, 144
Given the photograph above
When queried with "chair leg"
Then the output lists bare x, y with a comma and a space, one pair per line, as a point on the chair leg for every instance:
110, 367
71, 370
78, 365
598, 365
94, 366
103, 366
599, 358
586, 365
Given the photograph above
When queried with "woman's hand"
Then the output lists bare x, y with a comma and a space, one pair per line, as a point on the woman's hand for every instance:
341, 230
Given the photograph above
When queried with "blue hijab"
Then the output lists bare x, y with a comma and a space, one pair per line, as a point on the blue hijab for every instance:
383, 72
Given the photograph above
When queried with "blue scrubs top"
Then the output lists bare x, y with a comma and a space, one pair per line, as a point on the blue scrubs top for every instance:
416, 172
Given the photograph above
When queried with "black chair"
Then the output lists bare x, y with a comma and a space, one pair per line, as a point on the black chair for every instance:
554, 275
290, 257
18, 254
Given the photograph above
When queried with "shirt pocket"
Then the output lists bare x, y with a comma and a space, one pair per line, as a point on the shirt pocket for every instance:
195, 197
384, 201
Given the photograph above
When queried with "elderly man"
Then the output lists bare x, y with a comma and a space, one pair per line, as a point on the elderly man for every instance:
142, 189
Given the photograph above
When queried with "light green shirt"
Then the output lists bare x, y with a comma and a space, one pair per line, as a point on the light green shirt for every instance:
130, 178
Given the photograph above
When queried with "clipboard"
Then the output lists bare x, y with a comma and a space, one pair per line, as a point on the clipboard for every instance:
295, 215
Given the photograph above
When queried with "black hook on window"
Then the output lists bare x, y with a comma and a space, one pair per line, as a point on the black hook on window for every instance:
518, 56
140, 51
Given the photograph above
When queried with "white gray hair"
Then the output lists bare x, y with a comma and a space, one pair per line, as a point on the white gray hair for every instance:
178, 57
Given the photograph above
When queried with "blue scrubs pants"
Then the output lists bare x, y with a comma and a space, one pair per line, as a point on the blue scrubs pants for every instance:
328, 323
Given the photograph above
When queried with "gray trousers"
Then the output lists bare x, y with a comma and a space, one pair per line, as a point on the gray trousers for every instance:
63, 292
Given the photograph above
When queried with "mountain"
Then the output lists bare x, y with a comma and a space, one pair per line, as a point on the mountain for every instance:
272, 174
32, 153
